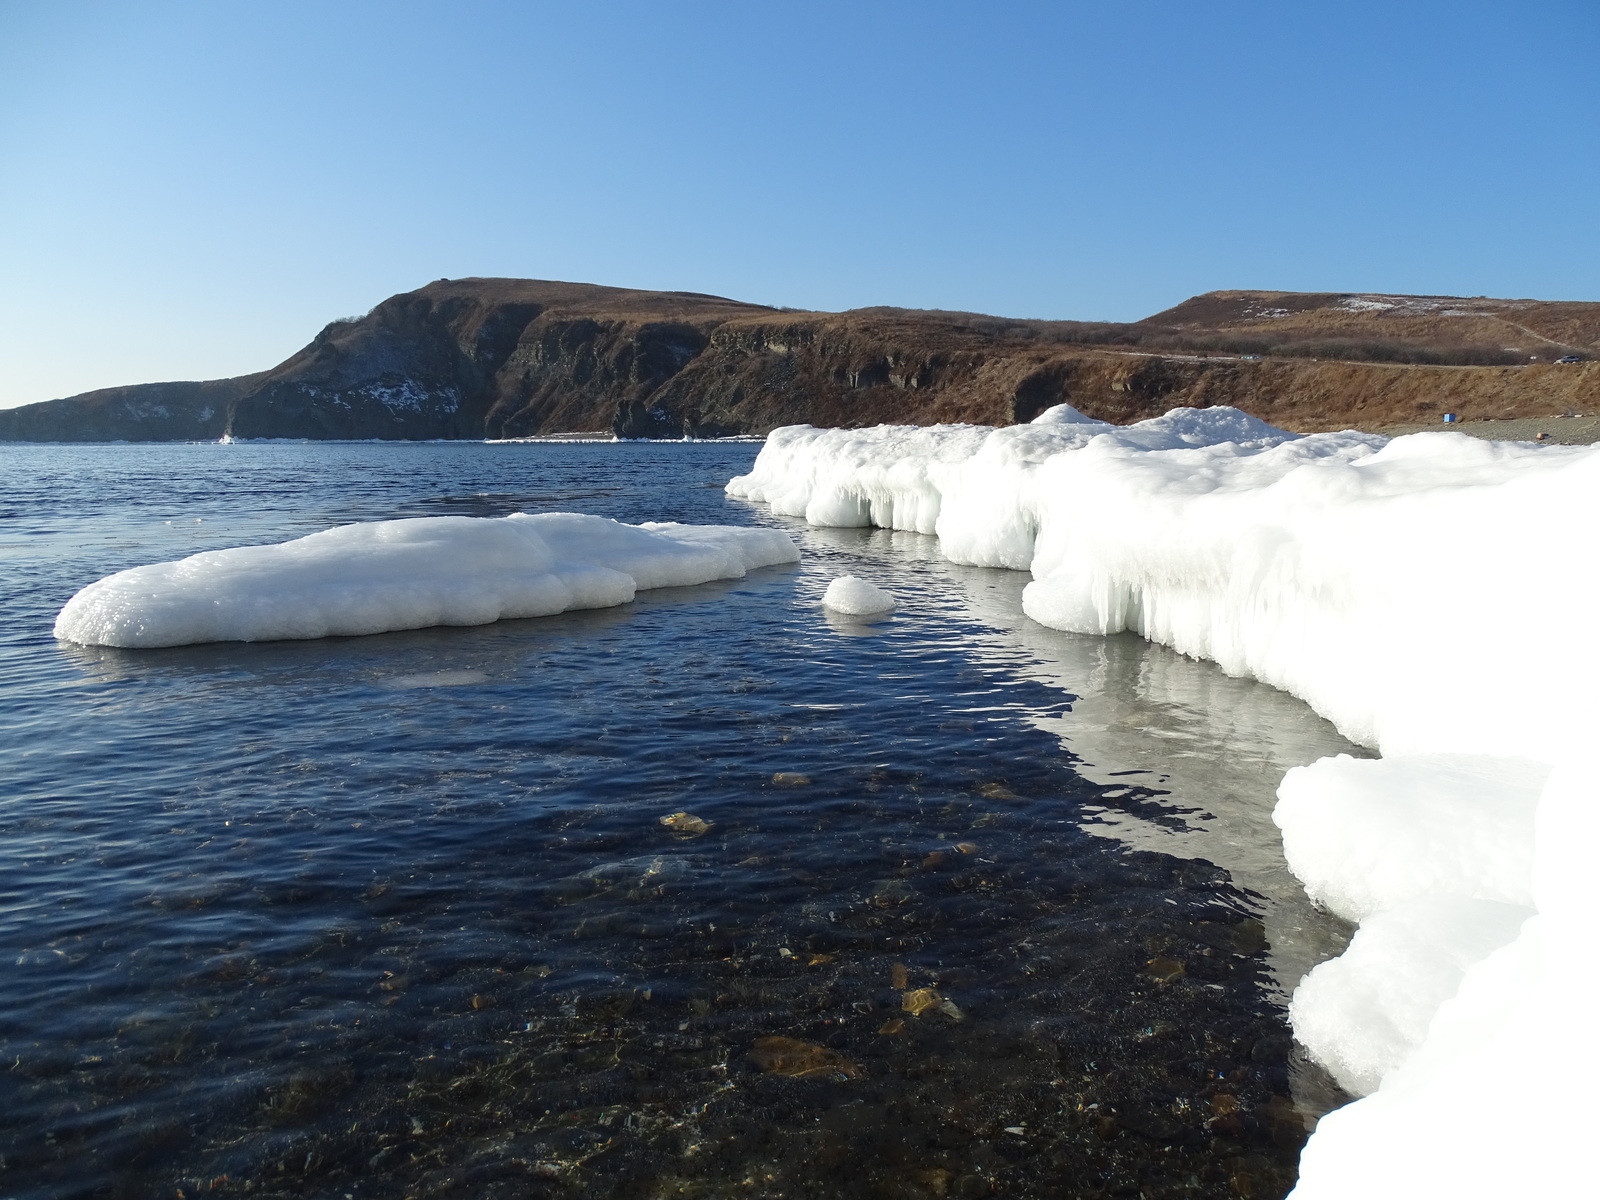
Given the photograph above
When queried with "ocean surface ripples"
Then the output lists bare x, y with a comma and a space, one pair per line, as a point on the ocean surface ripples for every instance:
960, 907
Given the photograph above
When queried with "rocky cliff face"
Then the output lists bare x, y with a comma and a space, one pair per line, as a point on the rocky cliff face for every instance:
146, 412
514, 358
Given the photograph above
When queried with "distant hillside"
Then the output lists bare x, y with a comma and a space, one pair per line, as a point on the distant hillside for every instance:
474, 358
150, 412
1446, 330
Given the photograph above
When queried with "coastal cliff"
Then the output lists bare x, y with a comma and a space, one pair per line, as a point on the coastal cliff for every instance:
504, 358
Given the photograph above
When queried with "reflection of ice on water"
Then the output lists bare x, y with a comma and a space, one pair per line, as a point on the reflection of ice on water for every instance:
436, 679
1211, 748
851, 626
1141, 716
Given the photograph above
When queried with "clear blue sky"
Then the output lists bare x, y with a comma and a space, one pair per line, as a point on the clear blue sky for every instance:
191, 190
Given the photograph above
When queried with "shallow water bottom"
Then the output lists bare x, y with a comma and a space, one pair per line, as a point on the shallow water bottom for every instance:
943, 905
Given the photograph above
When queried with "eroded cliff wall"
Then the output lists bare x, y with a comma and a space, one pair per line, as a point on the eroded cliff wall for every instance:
515, 358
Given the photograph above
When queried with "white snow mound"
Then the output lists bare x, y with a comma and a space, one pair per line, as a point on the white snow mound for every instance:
1363, 1014
1432, 596
1366, 835
408, 574
856, 597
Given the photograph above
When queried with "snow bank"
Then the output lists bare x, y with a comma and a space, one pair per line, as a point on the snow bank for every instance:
1433, 854
410, 574
1497, 1101
1363, 1014
1430, 595
1367, 835
971, 484
856, 597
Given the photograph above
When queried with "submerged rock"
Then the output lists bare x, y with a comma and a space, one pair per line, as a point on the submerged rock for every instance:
686, 824
1164, 970
800, 1060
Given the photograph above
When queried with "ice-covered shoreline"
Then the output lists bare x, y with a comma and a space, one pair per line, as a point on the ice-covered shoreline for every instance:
383, 576
1398, 587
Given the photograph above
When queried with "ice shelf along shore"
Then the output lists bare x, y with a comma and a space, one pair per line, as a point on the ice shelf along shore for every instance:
409, 574
1433, 596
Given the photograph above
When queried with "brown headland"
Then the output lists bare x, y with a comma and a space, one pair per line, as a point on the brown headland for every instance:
506, 358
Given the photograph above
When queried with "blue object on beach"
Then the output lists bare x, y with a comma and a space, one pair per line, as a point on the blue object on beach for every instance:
1451, 418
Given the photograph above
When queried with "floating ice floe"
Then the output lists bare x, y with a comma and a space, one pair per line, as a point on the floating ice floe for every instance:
409, 574
1432, 596
855, 597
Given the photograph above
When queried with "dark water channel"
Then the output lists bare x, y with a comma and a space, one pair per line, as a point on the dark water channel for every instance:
397, 916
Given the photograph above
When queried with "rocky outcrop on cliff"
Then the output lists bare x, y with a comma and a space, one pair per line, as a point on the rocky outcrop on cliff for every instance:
144, 412
487, 358
503, 358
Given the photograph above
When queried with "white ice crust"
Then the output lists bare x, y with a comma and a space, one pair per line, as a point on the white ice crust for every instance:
1432, 596
408, 574
1366, 835
855, 597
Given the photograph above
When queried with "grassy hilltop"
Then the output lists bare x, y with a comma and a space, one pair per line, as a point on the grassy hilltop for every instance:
474, 358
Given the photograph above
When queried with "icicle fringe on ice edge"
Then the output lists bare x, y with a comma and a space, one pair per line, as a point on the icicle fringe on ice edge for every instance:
1432, 596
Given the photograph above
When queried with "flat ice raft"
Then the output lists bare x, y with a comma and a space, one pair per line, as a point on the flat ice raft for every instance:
410, 574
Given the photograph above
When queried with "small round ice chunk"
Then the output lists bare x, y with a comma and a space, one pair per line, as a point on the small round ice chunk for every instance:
856, 597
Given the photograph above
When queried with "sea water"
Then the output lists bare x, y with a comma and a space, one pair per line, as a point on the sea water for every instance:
399, 915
